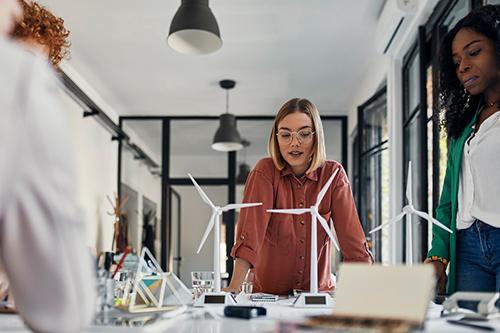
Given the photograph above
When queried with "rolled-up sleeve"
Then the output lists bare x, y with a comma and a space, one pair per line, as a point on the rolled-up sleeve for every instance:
253, 222
352, 240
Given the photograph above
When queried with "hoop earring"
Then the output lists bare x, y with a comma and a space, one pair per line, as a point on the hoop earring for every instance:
467, 102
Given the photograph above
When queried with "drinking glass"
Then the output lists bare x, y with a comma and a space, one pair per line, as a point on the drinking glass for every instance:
247, 285
202, 282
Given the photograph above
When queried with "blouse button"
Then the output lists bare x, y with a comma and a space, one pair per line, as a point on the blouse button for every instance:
300, 272
301, 241
297, 283
301, 257
301, 204
242, 237
302, 222
299, 186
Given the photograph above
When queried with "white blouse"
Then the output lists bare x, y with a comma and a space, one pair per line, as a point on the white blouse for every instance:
42, 233
479, 185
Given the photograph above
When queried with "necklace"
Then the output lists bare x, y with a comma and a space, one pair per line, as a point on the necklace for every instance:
492, 103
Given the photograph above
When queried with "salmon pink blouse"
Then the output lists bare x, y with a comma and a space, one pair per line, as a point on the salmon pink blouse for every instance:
277, 246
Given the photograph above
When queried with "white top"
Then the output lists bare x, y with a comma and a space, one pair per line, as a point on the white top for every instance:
42, 235
479, 185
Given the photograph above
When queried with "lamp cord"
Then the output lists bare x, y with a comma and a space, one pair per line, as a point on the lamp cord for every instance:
227, 101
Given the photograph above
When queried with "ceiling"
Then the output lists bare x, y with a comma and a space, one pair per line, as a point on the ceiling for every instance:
274, 50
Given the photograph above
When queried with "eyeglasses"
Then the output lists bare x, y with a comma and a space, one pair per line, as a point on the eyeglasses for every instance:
303, 136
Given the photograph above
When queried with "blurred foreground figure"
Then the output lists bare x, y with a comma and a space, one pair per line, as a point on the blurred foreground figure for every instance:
42, 235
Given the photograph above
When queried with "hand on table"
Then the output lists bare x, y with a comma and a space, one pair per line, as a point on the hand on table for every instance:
231, 289
441, 278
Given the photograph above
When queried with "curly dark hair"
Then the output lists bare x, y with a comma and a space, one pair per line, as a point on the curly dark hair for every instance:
40, 25
459, 106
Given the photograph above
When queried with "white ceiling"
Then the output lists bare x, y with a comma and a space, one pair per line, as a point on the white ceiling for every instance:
274, 50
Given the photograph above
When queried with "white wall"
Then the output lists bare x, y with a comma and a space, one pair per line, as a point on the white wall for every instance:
96, 162
96, 157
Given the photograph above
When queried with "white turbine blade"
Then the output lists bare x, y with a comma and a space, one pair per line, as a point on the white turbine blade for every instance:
242, 205
325, 226
203, 196
394, 220
297, 211
433, 220
207, 231
409, 195
325, 188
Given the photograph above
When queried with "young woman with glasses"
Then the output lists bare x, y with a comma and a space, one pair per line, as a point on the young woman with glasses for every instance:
277, 246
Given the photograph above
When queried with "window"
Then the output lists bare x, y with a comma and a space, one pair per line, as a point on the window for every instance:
373, 172
415, 147
424, 144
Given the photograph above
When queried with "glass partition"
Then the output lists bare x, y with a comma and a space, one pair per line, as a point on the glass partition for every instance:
191, 151
141, 183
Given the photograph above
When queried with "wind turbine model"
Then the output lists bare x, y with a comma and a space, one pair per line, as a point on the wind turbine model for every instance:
407, 211
313, 298
216, 297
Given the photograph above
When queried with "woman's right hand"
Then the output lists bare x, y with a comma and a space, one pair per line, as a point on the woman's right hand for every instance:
240, 271
231, 289
440, 270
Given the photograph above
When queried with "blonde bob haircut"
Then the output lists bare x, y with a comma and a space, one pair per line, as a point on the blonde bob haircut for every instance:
304, 106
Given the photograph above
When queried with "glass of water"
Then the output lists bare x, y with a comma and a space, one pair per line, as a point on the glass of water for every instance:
203, 282
247, 285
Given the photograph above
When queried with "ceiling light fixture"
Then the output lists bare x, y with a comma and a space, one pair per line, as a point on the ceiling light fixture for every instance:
194, 29
226, 137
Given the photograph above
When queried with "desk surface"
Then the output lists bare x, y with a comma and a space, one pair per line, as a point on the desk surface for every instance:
201, 320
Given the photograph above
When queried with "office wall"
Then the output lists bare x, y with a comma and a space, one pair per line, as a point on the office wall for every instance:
96, 162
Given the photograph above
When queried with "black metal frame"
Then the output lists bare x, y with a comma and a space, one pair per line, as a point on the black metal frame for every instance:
420, 111
362, 153
428, 44
91, 109
230, 181
178, 259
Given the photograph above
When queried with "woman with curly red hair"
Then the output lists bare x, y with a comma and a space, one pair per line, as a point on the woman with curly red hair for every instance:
43, 30
44, 261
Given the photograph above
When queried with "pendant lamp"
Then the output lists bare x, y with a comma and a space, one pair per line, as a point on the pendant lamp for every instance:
226, 137
194, 29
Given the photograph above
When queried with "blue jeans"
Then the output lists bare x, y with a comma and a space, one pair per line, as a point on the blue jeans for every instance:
478, 260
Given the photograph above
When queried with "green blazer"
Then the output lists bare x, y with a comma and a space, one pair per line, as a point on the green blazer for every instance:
444, 243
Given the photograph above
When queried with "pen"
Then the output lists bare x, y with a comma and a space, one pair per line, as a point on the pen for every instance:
476, 326
120, 263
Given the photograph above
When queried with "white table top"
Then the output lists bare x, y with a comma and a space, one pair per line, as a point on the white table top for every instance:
211, 320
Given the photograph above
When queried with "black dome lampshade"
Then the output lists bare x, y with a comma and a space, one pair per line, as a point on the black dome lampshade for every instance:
226, 137
194, 29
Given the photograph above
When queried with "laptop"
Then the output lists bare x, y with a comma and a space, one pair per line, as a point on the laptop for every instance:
386, 298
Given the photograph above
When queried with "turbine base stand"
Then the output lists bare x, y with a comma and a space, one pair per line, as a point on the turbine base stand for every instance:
313, 300
214, 298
